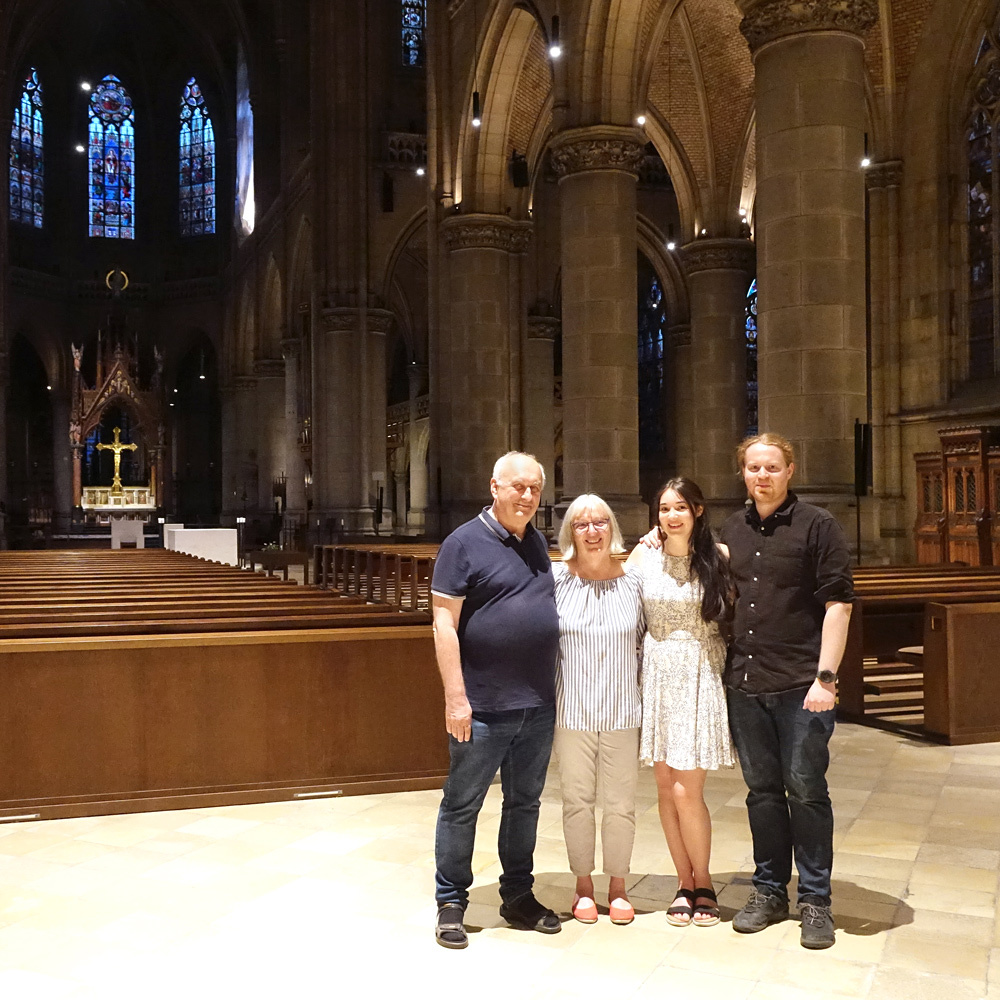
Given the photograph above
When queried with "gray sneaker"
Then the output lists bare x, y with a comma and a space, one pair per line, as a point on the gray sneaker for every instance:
817, 926
762, 909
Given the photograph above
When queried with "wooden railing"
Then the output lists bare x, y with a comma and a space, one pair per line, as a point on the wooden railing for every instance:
399, 575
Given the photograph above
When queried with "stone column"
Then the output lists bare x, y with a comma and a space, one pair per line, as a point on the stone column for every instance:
883, 180
269, 374
62, 461
719, 273
539, 404
679, 339
597, 168
479, 385
349, 415
810, 230
4, 385
231, 506
416, 515
247, 465
291, 351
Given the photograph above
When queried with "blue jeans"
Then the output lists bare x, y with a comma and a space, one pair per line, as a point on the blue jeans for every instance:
784, 753
518, 744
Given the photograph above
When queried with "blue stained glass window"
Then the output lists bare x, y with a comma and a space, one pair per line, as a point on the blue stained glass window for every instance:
197, 164
751, 337
652, 322
112, 161
27, 196
414, 24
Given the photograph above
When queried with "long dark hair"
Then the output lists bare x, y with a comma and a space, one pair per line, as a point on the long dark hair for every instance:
707, 562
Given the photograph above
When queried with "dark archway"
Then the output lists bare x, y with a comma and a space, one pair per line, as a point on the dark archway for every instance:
30, 479
196, 418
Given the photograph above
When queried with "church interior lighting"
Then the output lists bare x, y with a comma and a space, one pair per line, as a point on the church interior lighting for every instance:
477, 119
555, 49
640, 120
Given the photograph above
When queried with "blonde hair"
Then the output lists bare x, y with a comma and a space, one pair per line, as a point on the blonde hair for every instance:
770, 440
593, 503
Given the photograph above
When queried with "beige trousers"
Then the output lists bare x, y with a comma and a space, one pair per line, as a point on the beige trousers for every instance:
583, 756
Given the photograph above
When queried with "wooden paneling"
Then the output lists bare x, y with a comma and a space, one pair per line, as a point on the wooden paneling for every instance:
156, 722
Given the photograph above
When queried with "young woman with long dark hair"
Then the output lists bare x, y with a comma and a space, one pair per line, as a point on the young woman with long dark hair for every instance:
687, 592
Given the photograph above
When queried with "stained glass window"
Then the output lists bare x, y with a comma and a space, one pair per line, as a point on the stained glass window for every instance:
246, 210
652, 327
197, 164
112, 161
751, 340
414, 24
27, 197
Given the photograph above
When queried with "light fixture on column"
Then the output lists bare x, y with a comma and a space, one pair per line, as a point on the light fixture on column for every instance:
555, 49
865, 162
80, 147
421, 171
201, 374
85, 86
640, 120
477, 118
743, 213
671, 245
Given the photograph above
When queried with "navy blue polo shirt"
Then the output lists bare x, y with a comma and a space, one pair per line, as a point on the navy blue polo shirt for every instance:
508, 632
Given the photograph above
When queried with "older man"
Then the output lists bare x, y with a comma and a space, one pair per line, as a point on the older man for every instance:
791, 564
496, 636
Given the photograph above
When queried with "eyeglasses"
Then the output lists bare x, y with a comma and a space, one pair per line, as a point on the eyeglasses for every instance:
601, 524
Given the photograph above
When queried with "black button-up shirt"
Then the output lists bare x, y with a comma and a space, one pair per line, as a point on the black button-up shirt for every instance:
787, 567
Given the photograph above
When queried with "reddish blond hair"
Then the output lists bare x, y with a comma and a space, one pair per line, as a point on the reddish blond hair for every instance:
772, 441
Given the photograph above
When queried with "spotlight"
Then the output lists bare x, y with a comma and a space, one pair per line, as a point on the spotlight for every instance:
85, 86
743, 213
421, 171
477, 118
555, 49
704, 232
49, 387
641, 120
201, 377
671, 245
80, 148
176, 390
865, 162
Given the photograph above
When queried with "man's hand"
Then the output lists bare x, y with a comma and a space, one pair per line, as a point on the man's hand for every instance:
458, 719
652, 539
820, 697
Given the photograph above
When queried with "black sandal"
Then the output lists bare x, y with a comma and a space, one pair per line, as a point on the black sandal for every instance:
450, 927
686, 910
709, 910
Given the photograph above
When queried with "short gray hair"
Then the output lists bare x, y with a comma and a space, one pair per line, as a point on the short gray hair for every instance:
504, 459
593, 503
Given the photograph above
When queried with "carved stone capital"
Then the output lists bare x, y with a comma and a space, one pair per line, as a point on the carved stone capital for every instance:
481, 231
772, 19
598, 147
243, 383
269, 368
342, 319
884, 174
291, 347
379, 320
718, 255
679, 335
543, 327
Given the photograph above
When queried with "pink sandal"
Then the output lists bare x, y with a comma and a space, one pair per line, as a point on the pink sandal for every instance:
584, 910
621, 911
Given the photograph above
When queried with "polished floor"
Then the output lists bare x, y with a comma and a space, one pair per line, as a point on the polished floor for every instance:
333, 898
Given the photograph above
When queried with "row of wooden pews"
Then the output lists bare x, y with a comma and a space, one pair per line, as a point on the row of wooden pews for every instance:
881, 685
395, 574
147, 679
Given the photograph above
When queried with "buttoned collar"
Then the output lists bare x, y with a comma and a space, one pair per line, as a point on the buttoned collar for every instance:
507, 537
782, 515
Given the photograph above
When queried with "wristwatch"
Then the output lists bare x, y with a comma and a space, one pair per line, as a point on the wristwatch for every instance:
827, 676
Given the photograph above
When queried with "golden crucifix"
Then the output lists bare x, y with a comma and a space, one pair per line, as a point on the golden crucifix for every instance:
117, 447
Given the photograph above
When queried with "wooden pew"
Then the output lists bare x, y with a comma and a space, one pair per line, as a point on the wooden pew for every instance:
152, 680
962, 672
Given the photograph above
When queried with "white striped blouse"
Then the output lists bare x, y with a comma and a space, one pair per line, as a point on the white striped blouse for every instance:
600, 630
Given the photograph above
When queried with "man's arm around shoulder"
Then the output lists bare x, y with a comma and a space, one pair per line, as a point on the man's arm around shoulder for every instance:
457, 712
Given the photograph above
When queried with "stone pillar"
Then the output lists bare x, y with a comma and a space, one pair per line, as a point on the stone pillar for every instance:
883, 180
291, 351
417, 512
269, 374
539, 404
719, 273
4, 385
597, 168
479, 402
348, 429
810, 230
679, 339
230, 457
62, 462
247, 455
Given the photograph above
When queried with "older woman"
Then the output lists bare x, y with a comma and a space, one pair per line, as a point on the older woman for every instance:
597, 700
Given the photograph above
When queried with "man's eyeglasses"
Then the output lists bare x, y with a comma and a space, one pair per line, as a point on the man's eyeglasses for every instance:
600, 524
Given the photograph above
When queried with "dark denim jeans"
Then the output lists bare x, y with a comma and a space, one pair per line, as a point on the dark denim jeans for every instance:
784, 753
518, 744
